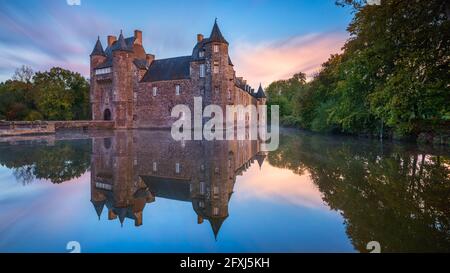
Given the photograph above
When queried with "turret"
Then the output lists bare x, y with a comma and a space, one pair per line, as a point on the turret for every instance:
97, 55
221, 70
260, 95
122, 83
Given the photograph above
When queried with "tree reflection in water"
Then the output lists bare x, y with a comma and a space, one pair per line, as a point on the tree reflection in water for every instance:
398, 195
57, 161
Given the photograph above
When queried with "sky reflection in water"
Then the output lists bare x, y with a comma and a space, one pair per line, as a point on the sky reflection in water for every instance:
314, 194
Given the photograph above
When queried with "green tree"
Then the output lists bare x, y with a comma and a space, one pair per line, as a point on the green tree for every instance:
61, 94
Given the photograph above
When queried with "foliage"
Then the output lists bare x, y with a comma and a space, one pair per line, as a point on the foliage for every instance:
398, 195
57, 94
59, 162
392, 74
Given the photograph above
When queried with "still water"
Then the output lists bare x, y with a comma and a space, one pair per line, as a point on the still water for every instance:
140, 191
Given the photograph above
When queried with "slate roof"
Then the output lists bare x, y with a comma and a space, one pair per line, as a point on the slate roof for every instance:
140, 63
117, 45
107, 63
197, 48
98, 49
120, 44
260, 94
216, 35
168, 69
168, 188
229, 61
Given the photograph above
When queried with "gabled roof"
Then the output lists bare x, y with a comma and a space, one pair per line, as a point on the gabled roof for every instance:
216, 35
98, 49
168, 69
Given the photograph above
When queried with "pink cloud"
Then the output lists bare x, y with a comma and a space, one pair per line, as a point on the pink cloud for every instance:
270, 61
278, 185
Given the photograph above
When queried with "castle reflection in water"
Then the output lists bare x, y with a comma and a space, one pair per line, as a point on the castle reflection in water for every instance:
131, 169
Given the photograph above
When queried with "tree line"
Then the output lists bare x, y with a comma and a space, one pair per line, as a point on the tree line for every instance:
391, 79
398, 194
57, 94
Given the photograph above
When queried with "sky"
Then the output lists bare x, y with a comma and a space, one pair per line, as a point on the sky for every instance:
269, 40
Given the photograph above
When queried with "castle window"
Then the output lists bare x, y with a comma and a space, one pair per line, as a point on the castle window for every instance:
216, 48
229, 94
177, 168
201, 54
202, 71
216, 211
155, 167
135, 96
216, 67
155, 89
201, 204
102, 71
215, 190
202, 188
216, 90
177, 89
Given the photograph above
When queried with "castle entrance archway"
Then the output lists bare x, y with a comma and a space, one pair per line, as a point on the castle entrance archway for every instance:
107, 114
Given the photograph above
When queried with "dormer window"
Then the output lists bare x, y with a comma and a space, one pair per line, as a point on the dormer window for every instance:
216, 48
102, 71
201, 54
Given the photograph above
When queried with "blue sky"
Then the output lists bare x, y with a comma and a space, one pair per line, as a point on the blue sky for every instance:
269, 40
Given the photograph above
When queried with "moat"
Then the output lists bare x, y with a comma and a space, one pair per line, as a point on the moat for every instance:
140, 191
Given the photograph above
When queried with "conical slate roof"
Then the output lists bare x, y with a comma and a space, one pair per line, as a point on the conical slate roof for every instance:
98, 49
98, 205
216, 223
216, 35
260, 94
120, 44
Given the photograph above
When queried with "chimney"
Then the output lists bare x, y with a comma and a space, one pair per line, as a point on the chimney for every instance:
111, 39
138, 37
199, 38
149, 58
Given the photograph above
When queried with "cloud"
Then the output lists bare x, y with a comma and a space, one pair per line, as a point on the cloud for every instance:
43, 34
73, 2
266, 62
280, 186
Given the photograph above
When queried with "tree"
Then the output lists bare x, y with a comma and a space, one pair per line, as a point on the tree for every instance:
23, 74
392, 77
61, 94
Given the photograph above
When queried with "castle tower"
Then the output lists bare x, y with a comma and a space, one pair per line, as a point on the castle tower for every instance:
261, 96
219, 82
122, 84
97, 57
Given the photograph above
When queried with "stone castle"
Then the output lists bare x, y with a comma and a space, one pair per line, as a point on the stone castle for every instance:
135, 90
